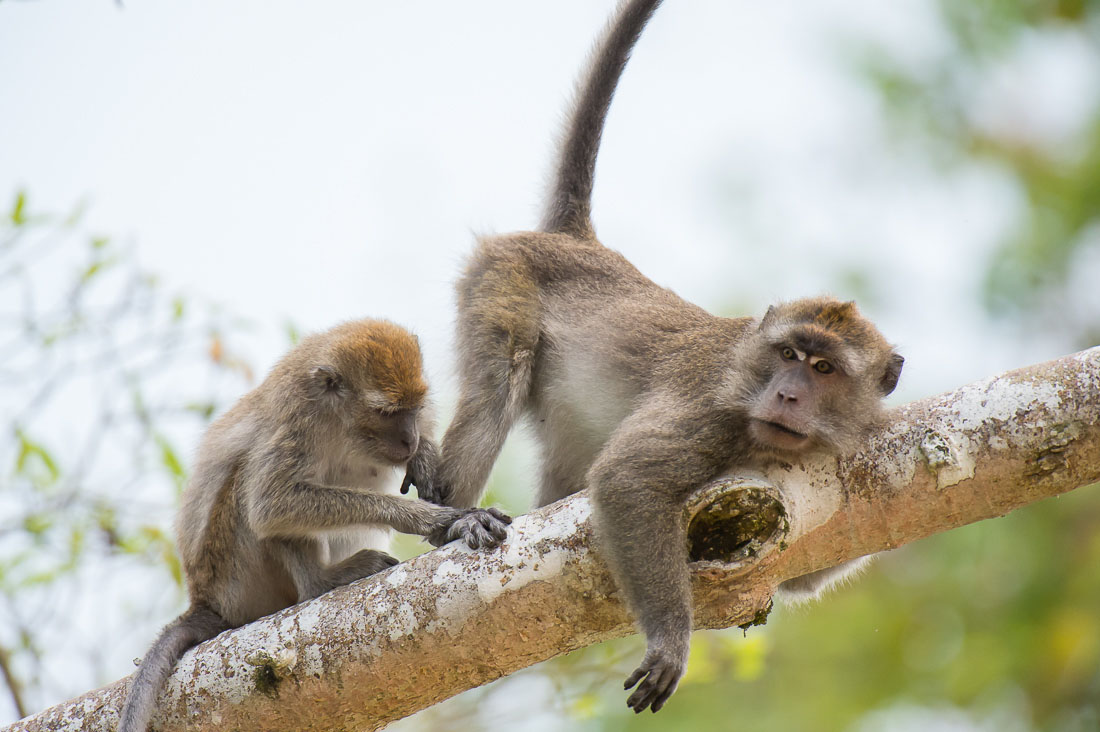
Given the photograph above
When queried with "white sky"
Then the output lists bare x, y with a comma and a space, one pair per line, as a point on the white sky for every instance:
326, 161
322, 161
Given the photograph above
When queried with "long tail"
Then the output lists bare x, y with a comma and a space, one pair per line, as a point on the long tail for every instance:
569, 208
197, 624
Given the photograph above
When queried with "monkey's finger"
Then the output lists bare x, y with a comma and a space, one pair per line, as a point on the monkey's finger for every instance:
497, 529
500, 515
390, 561
650, 689
406, 484
482, 537
670, 687
647, 692
635, 677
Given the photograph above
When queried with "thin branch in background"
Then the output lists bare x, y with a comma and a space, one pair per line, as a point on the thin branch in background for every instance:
93, 329
15, 689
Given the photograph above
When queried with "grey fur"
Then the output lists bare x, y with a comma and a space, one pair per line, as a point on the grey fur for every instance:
634, 393
293, 485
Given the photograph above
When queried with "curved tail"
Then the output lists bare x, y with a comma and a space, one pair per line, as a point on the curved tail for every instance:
569, 208
197, 624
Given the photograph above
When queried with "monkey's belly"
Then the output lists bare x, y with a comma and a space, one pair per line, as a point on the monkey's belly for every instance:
345, 542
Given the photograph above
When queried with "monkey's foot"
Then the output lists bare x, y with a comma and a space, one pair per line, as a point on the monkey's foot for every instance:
362, 564
659, 674
478, 527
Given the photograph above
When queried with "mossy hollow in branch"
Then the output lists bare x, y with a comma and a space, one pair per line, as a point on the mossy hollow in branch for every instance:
265, 675
734, 526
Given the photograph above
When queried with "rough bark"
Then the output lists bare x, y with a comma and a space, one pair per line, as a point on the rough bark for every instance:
383, 648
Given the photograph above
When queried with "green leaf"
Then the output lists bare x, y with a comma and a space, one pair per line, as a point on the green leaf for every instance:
203, 409
170, 460
36, 524
96, 267
31, 453
18, 215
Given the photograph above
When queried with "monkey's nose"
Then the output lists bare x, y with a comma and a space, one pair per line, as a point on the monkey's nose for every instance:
787, 396
409, 443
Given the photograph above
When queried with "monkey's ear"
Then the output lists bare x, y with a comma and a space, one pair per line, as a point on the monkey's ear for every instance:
768, 317
326, 379
893, 373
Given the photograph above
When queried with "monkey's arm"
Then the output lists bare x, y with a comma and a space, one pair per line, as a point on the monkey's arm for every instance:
638, 485
294, 508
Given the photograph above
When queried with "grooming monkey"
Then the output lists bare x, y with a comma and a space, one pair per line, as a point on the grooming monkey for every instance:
289, 490
636, 394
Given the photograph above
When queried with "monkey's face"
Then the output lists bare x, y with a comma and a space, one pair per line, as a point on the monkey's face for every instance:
391, 434
813, 390
785, 415
374, 424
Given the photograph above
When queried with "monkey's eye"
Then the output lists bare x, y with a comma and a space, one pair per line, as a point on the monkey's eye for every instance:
823, 367
788, 353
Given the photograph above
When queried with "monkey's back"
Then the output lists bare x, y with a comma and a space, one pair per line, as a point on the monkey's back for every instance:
218, 550
543, 291
598, 332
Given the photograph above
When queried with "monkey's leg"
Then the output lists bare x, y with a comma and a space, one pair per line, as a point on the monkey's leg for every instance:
302, 560
562, 471
638, 484
498, 333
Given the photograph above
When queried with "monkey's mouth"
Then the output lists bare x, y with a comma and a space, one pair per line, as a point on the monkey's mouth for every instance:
778, 436
784, 429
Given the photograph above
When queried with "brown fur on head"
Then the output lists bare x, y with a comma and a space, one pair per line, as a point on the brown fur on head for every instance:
369, 375
378, 355
813, 376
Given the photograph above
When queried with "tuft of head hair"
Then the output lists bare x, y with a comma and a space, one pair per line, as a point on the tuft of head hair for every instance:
386, 354
826, 315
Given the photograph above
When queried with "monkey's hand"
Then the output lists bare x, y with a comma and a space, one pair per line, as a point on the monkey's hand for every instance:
478, 527
660, 672
421, 472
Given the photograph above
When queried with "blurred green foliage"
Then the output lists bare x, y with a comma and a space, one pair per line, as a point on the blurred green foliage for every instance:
972, 104
101, 372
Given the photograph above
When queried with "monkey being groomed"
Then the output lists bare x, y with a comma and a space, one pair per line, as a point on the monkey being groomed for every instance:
289, 490
636, 394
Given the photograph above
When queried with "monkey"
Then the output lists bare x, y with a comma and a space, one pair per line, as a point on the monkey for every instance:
635, 394
289, 499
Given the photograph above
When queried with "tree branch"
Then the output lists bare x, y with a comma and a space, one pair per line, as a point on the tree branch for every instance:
383, 648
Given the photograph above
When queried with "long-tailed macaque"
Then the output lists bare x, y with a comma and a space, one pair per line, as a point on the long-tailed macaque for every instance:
291, 491
634, 393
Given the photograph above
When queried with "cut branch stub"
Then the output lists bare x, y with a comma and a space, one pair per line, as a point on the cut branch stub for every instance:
735, 522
